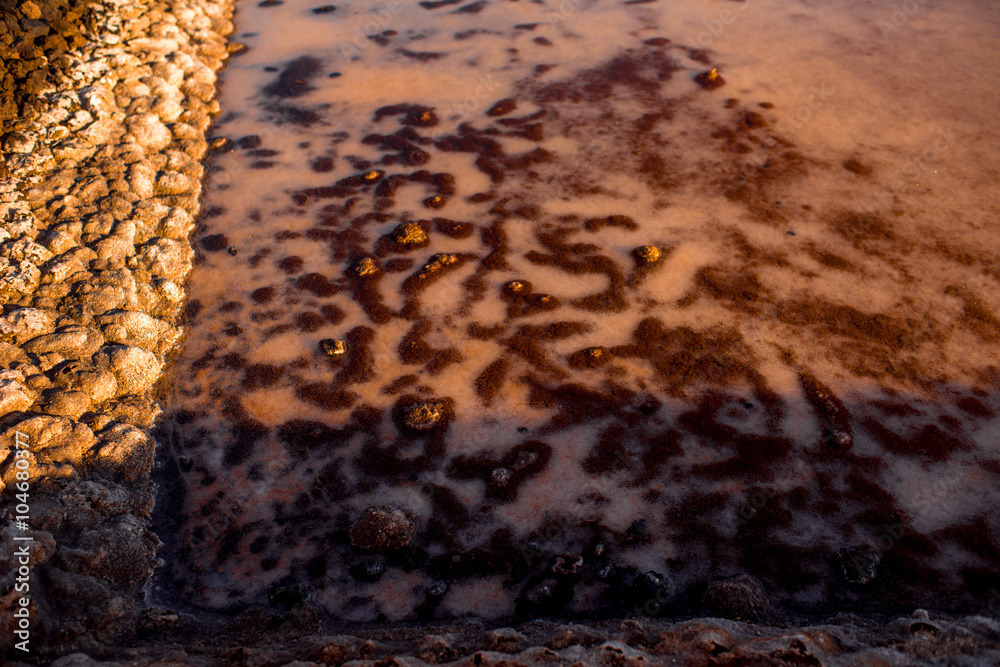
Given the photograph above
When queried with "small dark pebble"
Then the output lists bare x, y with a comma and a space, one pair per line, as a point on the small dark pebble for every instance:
368, 571
857, 566
232, 250
334, 75
652, 592
324, 9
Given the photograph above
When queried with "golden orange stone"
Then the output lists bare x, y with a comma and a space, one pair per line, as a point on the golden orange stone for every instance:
647, 254
366, 266
409, 233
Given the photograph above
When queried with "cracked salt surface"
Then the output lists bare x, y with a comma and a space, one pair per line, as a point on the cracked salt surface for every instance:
598, 320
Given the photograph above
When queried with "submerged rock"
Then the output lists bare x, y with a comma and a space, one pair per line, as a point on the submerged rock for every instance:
410, 235
333, 348
857, 566
382, 529
422, 416
710, 80
647, 255
742, 598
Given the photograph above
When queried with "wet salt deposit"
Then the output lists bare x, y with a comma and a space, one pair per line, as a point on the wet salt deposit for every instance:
525, 308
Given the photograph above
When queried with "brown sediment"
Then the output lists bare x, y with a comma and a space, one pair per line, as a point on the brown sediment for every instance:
489, 383
413, 349
683, 357
976, 314
438, 266
481, 332
827, 258
590, 357
364, 274
739, 288
454, 228
623, 221
861, 227
294, 79
399, 384
854, 166
502, 108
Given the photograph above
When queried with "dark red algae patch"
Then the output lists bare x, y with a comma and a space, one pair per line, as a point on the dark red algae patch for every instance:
294, 80
640, 73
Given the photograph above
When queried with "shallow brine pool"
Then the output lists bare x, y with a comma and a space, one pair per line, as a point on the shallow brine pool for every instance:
514, 308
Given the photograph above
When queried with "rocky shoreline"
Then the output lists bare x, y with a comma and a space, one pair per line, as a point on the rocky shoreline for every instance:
106, 108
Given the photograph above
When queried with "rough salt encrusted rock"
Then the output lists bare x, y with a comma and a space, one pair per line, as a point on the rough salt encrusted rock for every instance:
25, 250
70, 342
142, 179
165, 257
14, 395
915, 641
99, 179
135, 369
17, 278
99, 384
149, 132
138, 329
53, 440
124, 450
22, 324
